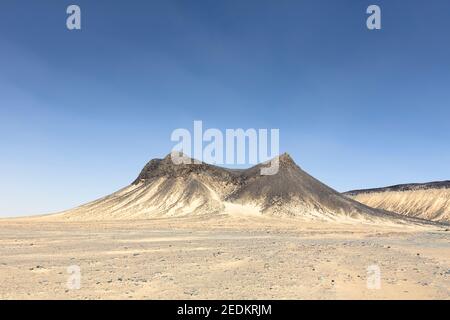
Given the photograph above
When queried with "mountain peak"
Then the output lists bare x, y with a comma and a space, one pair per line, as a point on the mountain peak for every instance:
169, 167
166, 188
286, 157
286, 160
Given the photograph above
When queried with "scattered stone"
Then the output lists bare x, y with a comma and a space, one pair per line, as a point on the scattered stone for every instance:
37, 267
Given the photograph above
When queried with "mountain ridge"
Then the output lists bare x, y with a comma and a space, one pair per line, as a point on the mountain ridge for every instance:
430, 201
445, 184
166, 189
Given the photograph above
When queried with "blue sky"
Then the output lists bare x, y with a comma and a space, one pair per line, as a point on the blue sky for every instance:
81, 112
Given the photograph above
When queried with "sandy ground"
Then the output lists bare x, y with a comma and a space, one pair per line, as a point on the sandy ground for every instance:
221, 258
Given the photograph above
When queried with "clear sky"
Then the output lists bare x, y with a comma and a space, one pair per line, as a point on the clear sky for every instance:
81, 112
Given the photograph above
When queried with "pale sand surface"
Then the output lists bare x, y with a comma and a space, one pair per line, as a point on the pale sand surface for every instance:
241, 257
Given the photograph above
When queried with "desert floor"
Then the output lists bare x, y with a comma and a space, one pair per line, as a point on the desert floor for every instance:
221, 258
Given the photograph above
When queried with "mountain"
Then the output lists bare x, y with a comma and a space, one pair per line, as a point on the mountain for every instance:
164, 189
429, 201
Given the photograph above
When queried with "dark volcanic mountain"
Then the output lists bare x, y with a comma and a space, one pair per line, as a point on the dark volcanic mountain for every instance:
429, 201
164, 189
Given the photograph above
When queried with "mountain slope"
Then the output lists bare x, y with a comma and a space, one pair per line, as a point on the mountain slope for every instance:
164, 189
293, 192
429, 201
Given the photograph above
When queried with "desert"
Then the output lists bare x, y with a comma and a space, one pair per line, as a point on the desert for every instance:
237, 150
221, 258
203, 232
